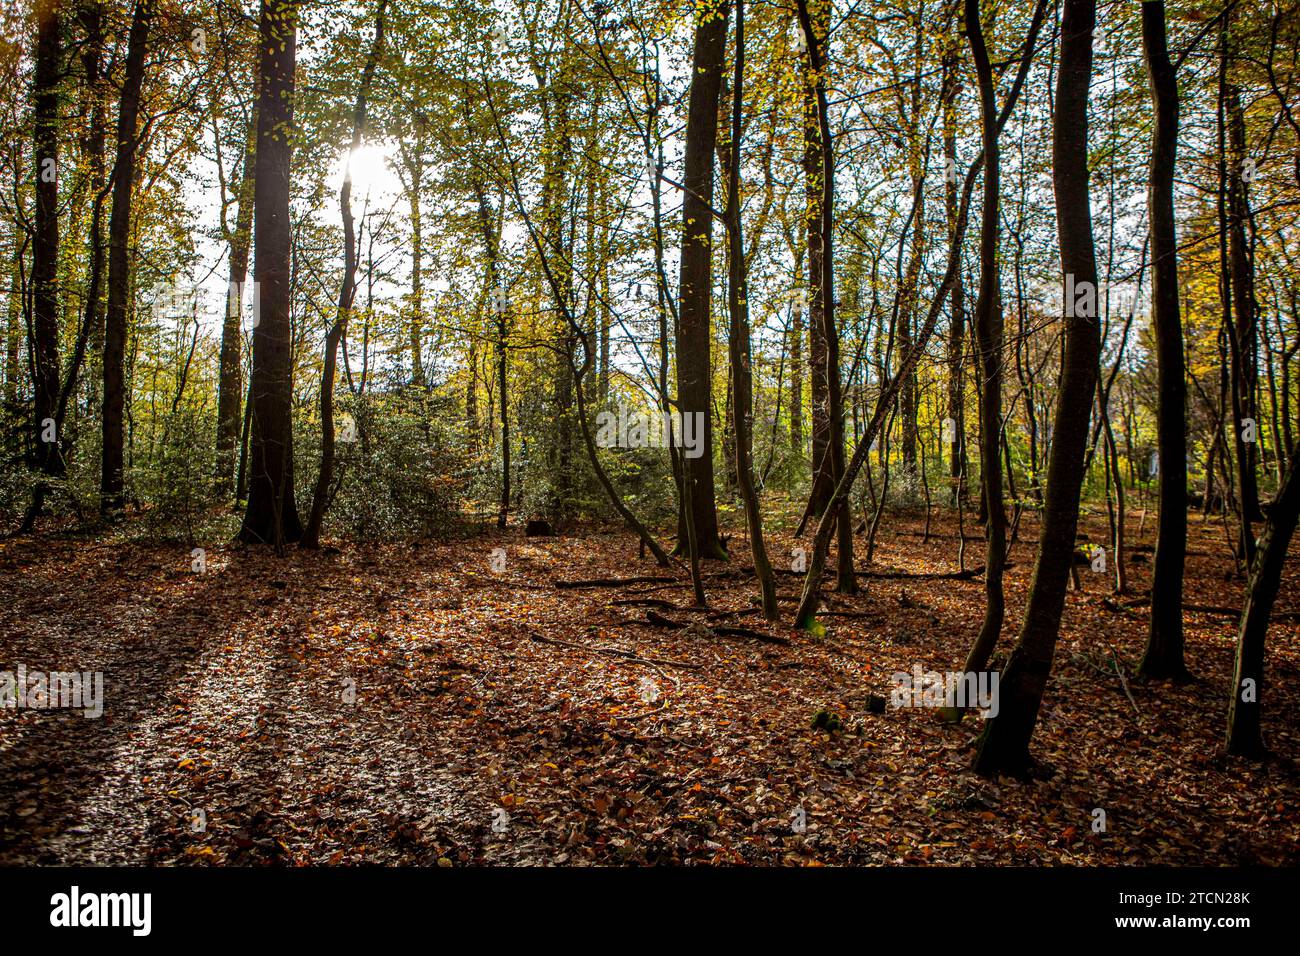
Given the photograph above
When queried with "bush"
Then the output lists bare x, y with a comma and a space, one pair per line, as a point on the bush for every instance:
174, 483
404, 473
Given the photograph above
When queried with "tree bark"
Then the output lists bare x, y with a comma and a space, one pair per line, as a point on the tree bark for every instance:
1164, 650
272, 513
91, 16
1005, 744
230, 383
1242, 257
957, 321
119, 263
1245, 702
45, 240
501, 310
989, 339
414, 162
694, 331
846, 578
739, 338
823, 476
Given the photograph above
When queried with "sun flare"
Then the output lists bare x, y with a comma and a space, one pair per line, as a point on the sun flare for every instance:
372, 172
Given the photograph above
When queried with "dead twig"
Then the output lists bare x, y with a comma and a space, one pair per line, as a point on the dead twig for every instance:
1124, 682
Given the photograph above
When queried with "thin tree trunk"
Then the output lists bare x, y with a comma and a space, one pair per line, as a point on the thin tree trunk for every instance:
91, 17
415, 326
1117, 481
1241, 256
823, 476
988, 334
44, 346
909, 294
956, 323
230, 383
1246, 698
739, 340
1005, 744
1164, 650
347, 294
1232, 273
501, 310
13, 331
796, 377
846, 578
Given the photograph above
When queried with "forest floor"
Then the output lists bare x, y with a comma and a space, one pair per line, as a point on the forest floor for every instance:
409, 704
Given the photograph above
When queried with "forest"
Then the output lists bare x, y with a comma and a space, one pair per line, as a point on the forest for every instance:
636, 432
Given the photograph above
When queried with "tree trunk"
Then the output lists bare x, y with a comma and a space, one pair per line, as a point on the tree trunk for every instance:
230, 384
90, 15
119, 263
956, 323
1265, 577
1242, 257
796, 377
555, 160
846, 581
1164, 651
694, 331
1238, 332
1005, 744
414, 195
13, 331
739, 340
501, 310
272, 513
45, 243
988, 334
823, 477
347, 294
909, 297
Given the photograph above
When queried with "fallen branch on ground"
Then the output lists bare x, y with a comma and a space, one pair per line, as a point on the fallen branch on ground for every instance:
927, 575
965, 575
614, 582
1226, 611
